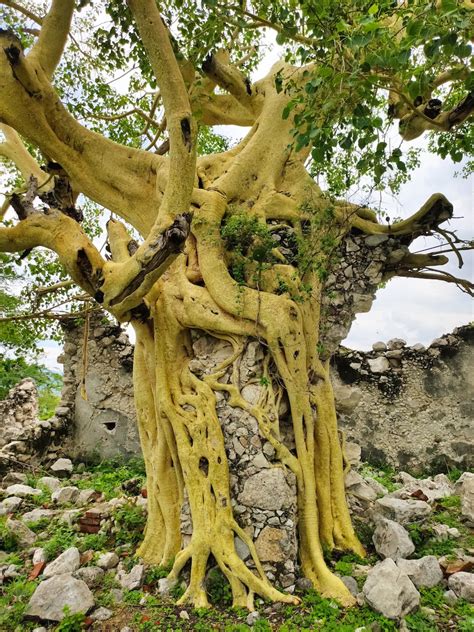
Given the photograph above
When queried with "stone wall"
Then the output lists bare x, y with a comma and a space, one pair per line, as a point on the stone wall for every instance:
408, 406
102, 424
24, 438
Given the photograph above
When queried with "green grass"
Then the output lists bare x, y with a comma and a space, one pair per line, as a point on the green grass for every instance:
108, 476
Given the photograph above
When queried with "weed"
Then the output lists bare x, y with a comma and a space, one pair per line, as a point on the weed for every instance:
63, 538
13, 600
108, 476
71, 622
218, 588
130, 521
94, 541
8, 539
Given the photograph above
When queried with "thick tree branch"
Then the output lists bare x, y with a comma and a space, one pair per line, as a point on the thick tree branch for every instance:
13, 149
436, 210
181, 130
53, 36
230, 79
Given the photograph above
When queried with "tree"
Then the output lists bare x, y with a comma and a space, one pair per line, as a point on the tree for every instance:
209, 259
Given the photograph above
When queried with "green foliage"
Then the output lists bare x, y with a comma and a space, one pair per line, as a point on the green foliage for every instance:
218, 588
8, 538
71, 622
131, 522
14, 598
108, 476
48, 383
62, 538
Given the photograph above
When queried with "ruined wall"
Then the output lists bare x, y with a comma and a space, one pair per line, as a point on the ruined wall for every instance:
103, 423
408, 406
24, 438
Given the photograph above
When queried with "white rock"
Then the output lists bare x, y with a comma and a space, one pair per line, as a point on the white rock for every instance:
101, 614
252, 617
184, 615
352, 452
12, 504
402, 511
108, 560
267, 489
358, 487
462, 584
392, 540
55, 594
433, 488
443, 532
379, 365
396, 343
423, 572
388, 590
132, 580
85, 496
67, 562
65, 495
26, 537
63, 467
165, 586
22, 491
466, 490
39, 555
37, 514
379, 346
50, 482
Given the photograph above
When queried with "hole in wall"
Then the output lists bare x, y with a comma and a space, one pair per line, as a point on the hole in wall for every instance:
110, 426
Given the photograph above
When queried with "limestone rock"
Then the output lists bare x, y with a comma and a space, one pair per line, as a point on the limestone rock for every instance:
132, 580
379, 346
55, 594
22, 491
462, 584
67, 562
353, 452
396, 343
388, 590
272, 545
402, 511
25, 536
358, 487
379, 365
37, 514
11, 504
347, 398
39, 555
101, 614
91, 575
241, 548
391, 540
108, 560
65, 495
467, 497
267, 490
433, 488
62, 467
50, 482
424, 572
